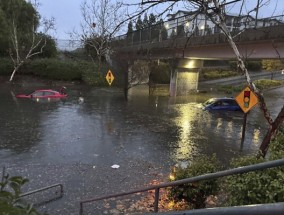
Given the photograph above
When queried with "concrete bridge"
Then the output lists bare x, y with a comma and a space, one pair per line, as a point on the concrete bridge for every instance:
190, 51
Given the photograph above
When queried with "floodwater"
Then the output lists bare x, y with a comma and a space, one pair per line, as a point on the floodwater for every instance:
76, 143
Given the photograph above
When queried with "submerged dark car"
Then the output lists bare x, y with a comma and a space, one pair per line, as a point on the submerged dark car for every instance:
225, 104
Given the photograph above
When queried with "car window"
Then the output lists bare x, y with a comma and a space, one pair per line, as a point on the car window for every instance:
232, 102
225, 103
47, 93
210, 101
37, 94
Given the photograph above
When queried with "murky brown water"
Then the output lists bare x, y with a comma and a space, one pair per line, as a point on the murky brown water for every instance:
145, 134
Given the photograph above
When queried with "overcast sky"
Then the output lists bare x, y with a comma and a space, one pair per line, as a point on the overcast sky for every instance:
67, 13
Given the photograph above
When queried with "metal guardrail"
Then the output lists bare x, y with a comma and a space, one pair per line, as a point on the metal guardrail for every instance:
261, 209
239, 170
43, 189
37, 190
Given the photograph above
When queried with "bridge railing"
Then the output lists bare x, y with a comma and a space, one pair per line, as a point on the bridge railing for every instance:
191, 26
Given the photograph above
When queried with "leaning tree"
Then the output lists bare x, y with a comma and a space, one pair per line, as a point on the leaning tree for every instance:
215, 10
22, 22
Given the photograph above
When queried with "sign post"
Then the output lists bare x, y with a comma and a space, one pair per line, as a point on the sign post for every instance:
246, 100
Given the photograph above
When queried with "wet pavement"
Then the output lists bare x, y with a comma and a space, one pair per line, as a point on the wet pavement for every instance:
76, 143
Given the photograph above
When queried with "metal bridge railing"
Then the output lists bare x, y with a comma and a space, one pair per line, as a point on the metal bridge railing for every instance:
191, 25
239, 170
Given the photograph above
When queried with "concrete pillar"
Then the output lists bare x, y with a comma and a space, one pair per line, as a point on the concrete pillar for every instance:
184, 78
173, 83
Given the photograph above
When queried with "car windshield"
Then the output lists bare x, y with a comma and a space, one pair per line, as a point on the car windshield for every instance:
209, 102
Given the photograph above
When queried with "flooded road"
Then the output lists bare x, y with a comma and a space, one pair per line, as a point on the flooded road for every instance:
76, 143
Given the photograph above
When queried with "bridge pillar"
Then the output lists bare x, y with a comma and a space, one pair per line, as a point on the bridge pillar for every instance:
184, 78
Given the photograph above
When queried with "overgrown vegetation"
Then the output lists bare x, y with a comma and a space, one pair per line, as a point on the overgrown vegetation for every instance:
195, 193
250, 65
272, 65
56, 69
10, 201
210, 74
257, 187
6, 66
264, 186
266, 84
261, 84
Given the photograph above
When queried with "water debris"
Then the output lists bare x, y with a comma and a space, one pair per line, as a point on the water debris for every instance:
115, 166
80, 100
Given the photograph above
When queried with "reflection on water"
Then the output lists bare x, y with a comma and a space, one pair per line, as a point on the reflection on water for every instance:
106, 129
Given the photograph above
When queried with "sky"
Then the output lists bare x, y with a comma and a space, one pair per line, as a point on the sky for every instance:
68, 16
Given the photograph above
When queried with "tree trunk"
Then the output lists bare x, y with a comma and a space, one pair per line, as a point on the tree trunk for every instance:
15, 70
271, 133
126, 88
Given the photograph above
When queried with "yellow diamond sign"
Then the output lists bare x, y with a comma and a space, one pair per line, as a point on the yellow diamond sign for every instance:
247, 99
109, 77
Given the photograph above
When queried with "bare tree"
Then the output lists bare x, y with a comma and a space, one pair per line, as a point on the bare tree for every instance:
215, 10
34, 42
101, 19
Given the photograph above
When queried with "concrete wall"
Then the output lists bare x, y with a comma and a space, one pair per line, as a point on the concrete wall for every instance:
187, 82
184, 79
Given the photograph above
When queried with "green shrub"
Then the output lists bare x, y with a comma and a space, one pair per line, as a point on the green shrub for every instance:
250, 65
253, 65
195, 193
233, 65
231, 88
218, 73
94, 76
10, 201
56, 69
264, 186
6, 66
272, 65
265, 83
53, 69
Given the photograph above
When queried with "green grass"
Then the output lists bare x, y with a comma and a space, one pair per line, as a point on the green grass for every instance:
266, 83
260, 84
215, 74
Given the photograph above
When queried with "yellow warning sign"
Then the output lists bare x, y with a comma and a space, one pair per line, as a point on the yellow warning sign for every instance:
247, 99
109, 77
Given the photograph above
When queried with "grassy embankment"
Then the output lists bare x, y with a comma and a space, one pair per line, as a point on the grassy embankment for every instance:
261, 84
58, 69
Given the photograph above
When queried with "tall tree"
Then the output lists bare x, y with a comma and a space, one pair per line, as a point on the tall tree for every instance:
130, 28
145, 23
22, 22
4, 34
129, 33
152, 19
101, 21
139, 23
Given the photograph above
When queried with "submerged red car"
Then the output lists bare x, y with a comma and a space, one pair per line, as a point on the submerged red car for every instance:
45, 93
